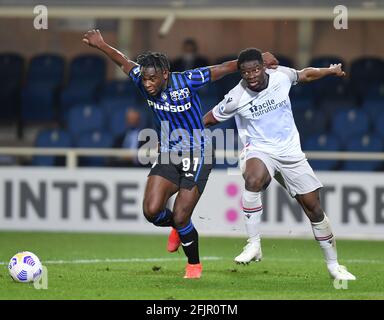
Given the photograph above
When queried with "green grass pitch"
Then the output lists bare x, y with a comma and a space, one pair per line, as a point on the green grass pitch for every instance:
127, 266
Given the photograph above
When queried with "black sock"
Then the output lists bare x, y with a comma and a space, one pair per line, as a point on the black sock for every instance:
190, 243
164, 219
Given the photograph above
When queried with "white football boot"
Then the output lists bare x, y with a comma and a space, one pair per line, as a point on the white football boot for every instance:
251, 252
339, 272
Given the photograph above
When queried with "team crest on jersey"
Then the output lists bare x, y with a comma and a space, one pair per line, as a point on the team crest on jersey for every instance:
180, 94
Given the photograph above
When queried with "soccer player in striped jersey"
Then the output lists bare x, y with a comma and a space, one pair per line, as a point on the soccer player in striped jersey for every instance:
181, 166
261, 106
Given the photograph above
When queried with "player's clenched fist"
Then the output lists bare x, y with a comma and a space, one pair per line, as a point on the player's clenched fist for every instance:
337, 71
93, 38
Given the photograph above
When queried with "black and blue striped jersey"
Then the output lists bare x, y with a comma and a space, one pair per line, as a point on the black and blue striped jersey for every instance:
177, 109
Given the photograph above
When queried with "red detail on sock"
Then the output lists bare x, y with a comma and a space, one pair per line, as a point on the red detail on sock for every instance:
324, 238
253, 209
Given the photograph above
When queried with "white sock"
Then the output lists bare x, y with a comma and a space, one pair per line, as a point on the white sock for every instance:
323, 234
252, 210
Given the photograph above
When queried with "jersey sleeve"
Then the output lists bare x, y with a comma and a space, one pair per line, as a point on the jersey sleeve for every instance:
226, 109
197, 78
292, 74
135, 75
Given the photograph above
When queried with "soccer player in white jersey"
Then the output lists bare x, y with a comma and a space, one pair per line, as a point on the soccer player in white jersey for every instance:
263, 114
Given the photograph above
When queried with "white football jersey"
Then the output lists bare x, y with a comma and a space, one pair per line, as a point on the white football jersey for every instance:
264, 119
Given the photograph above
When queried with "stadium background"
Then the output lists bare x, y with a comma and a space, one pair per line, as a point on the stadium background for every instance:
57, 93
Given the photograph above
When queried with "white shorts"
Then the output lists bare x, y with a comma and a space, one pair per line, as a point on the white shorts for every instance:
295, 175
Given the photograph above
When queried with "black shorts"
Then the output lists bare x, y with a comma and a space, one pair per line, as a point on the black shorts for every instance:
186, 171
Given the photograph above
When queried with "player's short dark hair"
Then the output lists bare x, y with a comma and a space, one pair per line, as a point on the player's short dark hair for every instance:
156, 60
249, 54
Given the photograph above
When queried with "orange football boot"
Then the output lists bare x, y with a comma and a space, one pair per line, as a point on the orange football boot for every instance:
193, 271
173, 241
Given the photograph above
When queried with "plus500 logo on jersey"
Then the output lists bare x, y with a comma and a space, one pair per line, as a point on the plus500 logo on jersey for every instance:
168, 107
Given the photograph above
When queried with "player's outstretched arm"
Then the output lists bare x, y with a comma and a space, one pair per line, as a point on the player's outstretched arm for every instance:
312, 74
221, 70
94, 39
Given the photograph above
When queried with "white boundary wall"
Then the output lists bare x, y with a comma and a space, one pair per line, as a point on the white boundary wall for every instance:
109, 200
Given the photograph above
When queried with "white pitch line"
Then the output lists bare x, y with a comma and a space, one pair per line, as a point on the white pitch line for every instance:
209, 258
90, 261
320, 260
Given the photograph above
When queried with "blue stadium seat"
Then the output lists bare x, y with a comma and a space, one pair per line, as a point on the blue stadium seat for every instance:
121, 90
77, 93
86, 77
365, 143
332, 88
117, 123
332, 105
85, 118
46, 69
373, 107
310, 122
348, 123
378, 124
95, 139
39, 97
328, 86
322, 142
365, 72
303, 91
88, 67
38, 103
375, 92
110, 105
11, 71
301, 104
51, 138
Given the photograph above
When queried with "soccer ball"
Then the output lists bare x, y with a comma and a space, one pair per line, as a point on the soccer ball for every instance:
25, 267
